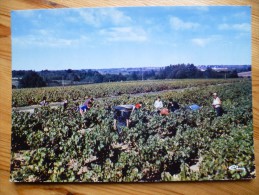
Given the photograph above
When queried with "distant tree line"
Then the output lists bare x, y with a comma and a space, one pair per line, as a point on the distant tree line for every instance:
179, 71
31, 79
182, 71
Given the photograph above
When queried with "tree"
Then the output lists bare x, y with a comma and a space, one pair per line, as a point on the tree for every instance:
32, 79
133, 76
180, 74
76, 77
233, 74
209, 73
69, 71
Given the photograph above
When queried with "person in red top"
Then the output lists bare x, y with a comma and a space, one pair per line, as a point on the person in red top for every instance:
138, 105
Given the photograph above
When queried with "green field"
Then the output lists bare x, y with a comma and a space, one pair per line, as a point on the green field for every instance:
59, 145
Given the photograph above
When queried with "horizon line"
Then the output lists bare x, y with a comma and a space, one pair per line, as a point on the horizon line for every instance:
131, 67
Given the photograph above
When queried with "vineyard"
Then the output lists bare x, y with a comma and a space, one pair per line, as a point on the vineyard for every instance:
25, 97
59, 145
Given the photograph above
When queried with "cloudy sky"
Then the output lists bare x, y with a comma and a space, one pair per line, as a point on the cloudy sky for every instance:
130, 37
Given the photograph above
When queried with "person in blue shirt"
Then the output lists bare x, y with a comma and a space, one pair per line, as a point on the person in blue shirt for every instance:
86, 106
194, 107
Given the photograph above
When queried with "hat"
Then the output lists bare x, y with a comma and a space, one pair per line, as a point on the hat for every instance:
214, 94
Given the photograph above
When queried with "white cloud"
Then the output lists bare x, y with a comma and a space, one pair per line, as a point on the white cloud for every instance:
178, 24
46, 41
97, 17
124, 34
202, 42
239, 27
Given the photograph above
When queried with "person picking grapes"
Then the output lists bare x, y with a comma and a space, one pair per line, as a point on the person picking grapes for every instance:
65, 104
217, 104
44, 101
158, 104
86, 106
138, 105
173, 106
122, 117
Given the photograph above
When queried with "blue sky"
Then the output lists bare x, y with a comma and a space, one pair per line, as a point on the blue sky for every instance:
56, 39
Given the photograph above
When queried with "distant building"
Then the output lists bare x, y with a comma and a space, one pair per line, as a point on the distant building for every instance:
245, 74
15, 82
220, 69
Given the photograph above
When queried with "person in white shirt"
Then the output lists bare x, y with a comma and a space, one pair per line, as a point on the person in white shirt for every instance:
217, 104
158, 104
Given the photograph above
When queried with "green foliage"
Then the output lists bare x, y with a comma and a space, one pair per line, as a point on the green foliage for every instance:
25, 97
32, 79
